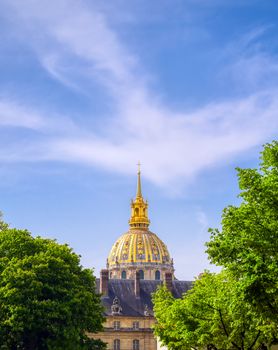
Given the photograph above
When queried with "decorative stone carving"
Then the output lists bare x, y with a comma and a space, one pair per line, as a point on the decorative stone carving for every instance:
146, 311
116, 308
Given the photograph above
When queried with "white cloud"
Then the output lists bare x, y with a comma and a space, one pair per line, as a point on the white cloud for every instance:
14, 115
249, 65
72, 29
173, 147
51, 63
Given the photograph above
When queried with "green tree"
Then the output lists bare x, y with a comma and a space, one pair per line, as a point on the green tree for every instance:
47, 300
247, 244
212, 314
3, 225
237, 308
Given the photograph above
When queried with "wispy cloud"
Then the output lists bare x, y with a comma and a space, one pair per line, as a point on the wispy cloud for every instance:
14, 115
18, 114
172, 146
178, 147
249, 64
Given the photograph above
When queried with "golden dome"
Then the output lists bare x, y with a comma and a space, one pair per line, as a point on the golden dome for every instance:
138, 247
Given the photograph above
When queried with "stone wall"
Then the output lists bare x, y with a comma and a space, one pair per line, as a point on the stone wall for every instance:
126, 333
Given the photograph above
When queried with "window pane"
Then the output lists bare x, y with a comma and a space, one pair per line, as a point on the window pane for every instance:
157, 275
141, 274
136, 325
116, 344
117, 325
135, 344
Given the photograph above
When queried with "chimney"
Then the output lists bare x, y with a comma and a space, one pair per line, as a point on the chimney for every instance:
137, 284
169, 281
103, 288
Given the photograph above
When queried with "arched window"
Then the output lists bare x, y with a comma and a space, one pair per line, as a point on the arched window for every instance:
136, 344
141, 274
123, 275
136, 211
157, 275
117, 344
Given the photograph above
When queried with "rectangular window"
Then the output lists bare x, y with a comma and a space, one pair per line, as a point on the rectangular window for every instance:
136, 344
117, 325
136, 326
117, 344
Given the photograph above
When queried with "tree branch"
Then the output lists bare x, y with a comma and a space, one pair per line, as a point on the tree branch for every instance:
225, 329
242, 339
255, 340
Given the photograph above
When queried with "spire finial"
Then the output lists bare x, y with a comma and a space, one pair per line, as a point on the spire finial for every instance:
139, 208
139, 191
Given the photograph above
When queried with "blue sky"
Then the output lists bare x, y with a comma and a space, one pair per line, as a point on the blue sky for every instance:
88, 88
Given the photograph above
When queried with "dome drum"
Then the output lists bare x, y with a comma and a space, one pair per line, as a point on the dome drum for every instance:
148, 273
139, 265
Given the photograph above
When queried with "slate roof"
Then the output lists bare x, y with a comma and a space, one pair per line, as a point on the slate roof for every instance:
132, 305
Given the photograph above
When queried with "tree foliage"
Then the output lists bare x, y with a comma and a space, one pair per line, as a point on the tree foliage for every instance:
237, 308
3, 224
213, 314
247, 245
47, 300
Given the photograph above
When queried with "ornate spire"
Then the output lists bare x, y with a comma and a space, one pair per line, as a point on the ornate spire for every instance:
139, 191
139, 208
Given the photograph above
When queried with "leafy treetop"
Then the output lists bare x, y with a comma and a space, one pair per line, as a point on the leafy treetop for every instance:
247, 245
47, 300
213, 314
